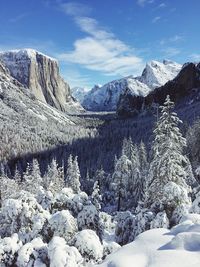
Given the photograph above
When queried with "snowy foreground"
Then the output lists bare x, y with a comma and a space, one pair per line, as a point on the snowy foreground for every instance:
178, 247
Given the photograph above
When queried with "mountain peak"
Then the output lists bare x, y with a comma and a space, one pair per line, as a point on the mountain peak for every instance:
158, 73
155, 74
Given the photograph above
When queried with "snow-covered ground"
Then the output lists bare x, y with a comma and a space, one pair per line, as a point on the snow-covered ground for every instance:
178, 247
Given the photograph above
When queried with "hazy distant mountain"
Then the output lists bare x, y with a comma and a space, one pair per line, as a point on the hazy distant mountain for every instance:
79, 93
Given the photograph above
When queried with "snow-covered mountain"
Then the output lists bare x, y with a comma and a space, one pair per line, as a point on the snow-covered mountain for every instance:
79, 93
155, 74
40, 74
184, 87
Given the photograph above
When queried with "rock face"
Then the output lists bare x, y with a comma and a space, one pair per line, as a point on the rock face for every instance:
106, 97
40, 74
185, 84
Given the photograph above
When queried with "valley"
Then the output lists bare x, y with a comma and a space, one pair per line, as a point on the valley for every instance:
89, 182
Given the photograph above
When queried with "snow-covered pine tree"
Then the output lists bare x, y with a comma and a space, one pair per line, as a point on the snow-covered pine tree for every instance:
100, 176
135, 186
127, 147
121, 176
96, 196
28, 180
53, 180
76, 176
8, 188
144, 166
167, 168
36, 174
73, 174
69, 170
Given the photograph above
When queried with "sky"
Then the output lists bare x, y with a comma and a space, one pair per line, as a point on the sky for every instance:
97, 41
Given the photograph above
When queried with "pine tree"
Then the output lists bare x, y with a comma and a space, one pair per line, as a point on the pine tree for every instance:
69, 170
100, 176
73, 174
168, 161
36, 174
76, 176
127, 147
96, 196
8, 188
28, 180
134, 183
144, 167
53, 179
121, 177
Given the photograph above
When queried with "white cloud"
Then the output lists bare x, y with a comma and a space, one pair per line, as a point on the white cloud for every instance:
92, 27
162, 5
156, 19
101, 51
174, 39
18, 18
74, 78
75, 9
171, 51
195, 57
144, 2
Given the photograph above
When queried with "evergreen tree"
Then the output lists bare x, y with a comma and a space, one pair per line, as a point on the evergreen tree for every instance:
135, 186
76, 176
73, 174
36, 174
168, 161
28, 180
96, 196
53, 179
69, 170
144, 167
100, 176
121, 177
8, 188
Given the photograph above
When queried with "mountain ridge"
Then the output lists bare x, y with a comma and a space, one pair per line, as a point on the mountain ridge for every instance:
185, 84
106, 97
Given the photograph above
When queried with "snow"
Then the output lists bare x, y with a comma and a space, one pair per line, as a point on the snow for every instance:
158, 73
89, 245
161, 248
63, 224
79, 93
61, 255
155, 74
26, 52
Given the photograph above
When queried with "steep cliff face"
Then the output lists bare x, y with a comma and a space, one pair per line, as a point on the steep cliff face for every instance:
185, 85
40, 74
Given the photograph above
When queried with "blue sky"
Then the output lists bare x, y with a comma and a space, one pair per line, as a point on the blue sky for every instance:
97, 41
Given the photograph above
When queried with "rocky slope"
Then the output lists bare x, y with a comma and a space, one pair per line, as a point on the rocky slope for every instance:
106, 97
185, 85
28, 125
40, 74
